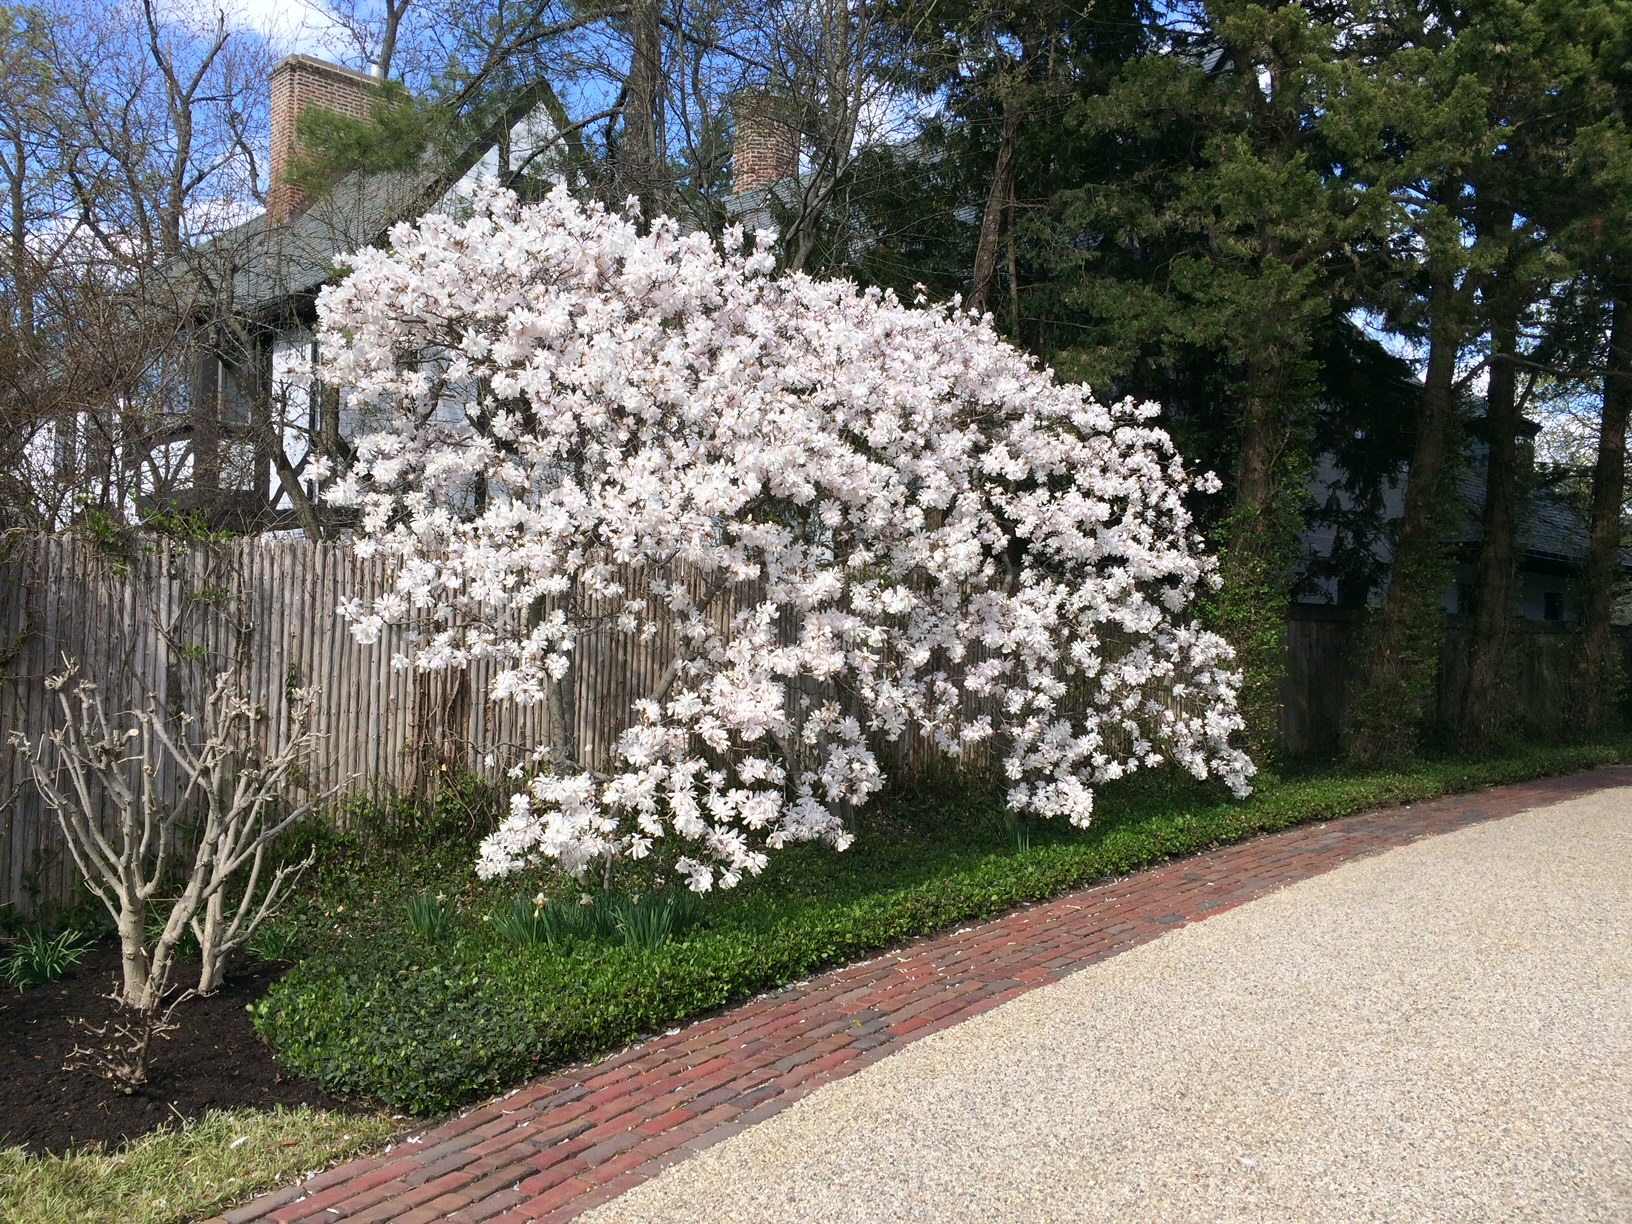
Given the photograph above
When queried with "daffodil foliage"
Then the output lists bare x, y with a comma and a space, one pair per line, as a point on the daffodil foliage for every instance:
845, 518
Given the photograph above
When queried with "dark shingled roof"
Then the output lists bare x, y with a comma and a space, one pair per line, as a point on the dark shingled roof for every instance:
275, 266
1550, 530
272, 265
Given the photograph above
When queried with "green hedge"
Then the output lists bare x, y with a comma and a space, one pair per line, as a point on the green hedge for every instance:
425, 1028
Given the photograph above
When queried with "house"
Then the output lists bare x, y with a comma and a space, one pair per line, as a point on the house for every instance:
1346, 547
243, 436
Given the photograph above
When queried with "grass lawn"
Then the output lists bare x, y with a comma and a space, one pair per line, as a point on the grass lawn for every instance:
180, 1175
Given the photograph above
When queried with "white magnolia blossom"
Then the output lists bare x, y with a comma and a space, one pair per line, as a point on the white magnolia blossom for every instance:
848, 519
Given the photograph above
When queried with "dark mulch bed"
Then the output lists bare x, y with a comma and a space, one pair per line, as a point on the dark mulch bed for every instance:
213, 1061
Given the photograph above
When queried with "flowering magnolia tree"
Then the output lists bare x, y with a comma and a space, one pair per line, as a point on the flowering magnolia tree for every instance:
850, 519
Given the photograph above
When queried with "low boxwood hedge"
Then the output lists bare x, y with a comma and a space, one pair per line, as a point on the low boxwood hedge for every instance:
426, 1027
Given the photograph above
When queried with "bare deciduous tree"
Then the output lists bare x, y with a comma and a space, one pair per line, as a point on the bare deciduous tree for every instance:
137, 153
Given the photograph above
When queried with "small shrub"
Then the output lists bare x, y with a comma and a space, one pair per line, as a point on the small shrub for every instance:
527, 922
39, 958
652, 920
275, 943
382, 1021
430, 915
234, 811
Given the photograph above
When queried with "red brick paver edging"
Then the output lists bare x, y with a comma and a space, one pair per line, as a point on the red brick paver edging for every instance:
585, 1135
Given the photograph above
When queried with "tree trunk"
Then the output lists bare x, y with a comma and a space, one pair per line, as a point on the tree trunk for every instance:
831, 103
1255, 484
392, 22
205, 413
998, 201
1479, 718
22, 280
1596, 670
212, 957
1255, 558
288, 479
1385, 714
639, 156
133, 954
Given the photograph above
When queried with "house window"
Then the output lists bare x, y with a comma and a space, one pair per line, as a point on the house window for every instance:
1552, 606
1352, 592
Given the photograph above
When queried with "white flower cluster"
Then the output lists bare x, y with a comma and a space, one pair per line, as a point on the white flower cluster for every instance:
849, 518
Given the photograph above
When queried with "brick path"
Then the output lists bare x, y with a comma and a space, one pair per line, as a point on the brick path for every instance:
564, 1144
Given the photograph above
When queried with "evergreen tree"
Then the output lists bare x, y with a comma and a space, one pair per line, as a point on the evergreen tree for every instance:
1592, 216
1459, 118
1207, 251
1413, 116
1542, 80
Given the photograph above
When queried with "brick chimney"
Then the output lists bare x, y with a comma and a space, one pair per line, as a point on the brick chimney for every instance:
298, 82
764, 144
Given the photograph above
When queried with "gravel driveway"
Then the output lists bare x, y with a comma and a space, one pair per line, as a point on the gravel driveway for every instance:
1442, 1032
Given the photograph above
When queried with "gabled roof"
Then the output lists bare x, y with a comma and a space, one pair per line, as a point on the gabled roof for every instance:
270, 264
274, 266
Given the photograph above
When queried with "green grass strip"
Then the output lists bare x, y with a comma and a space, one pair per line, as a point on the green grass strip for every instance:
181, 1174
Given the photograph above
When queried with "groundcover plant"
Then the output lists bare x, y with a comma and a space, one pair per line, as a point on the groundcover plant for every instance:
837, 517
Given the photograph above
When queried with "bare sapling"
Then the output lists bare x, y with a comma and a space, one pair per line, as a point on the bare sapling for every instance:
171, 819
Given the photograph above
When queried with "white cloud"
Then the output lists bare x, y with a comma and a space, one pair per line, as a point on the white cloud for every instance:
288, 26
